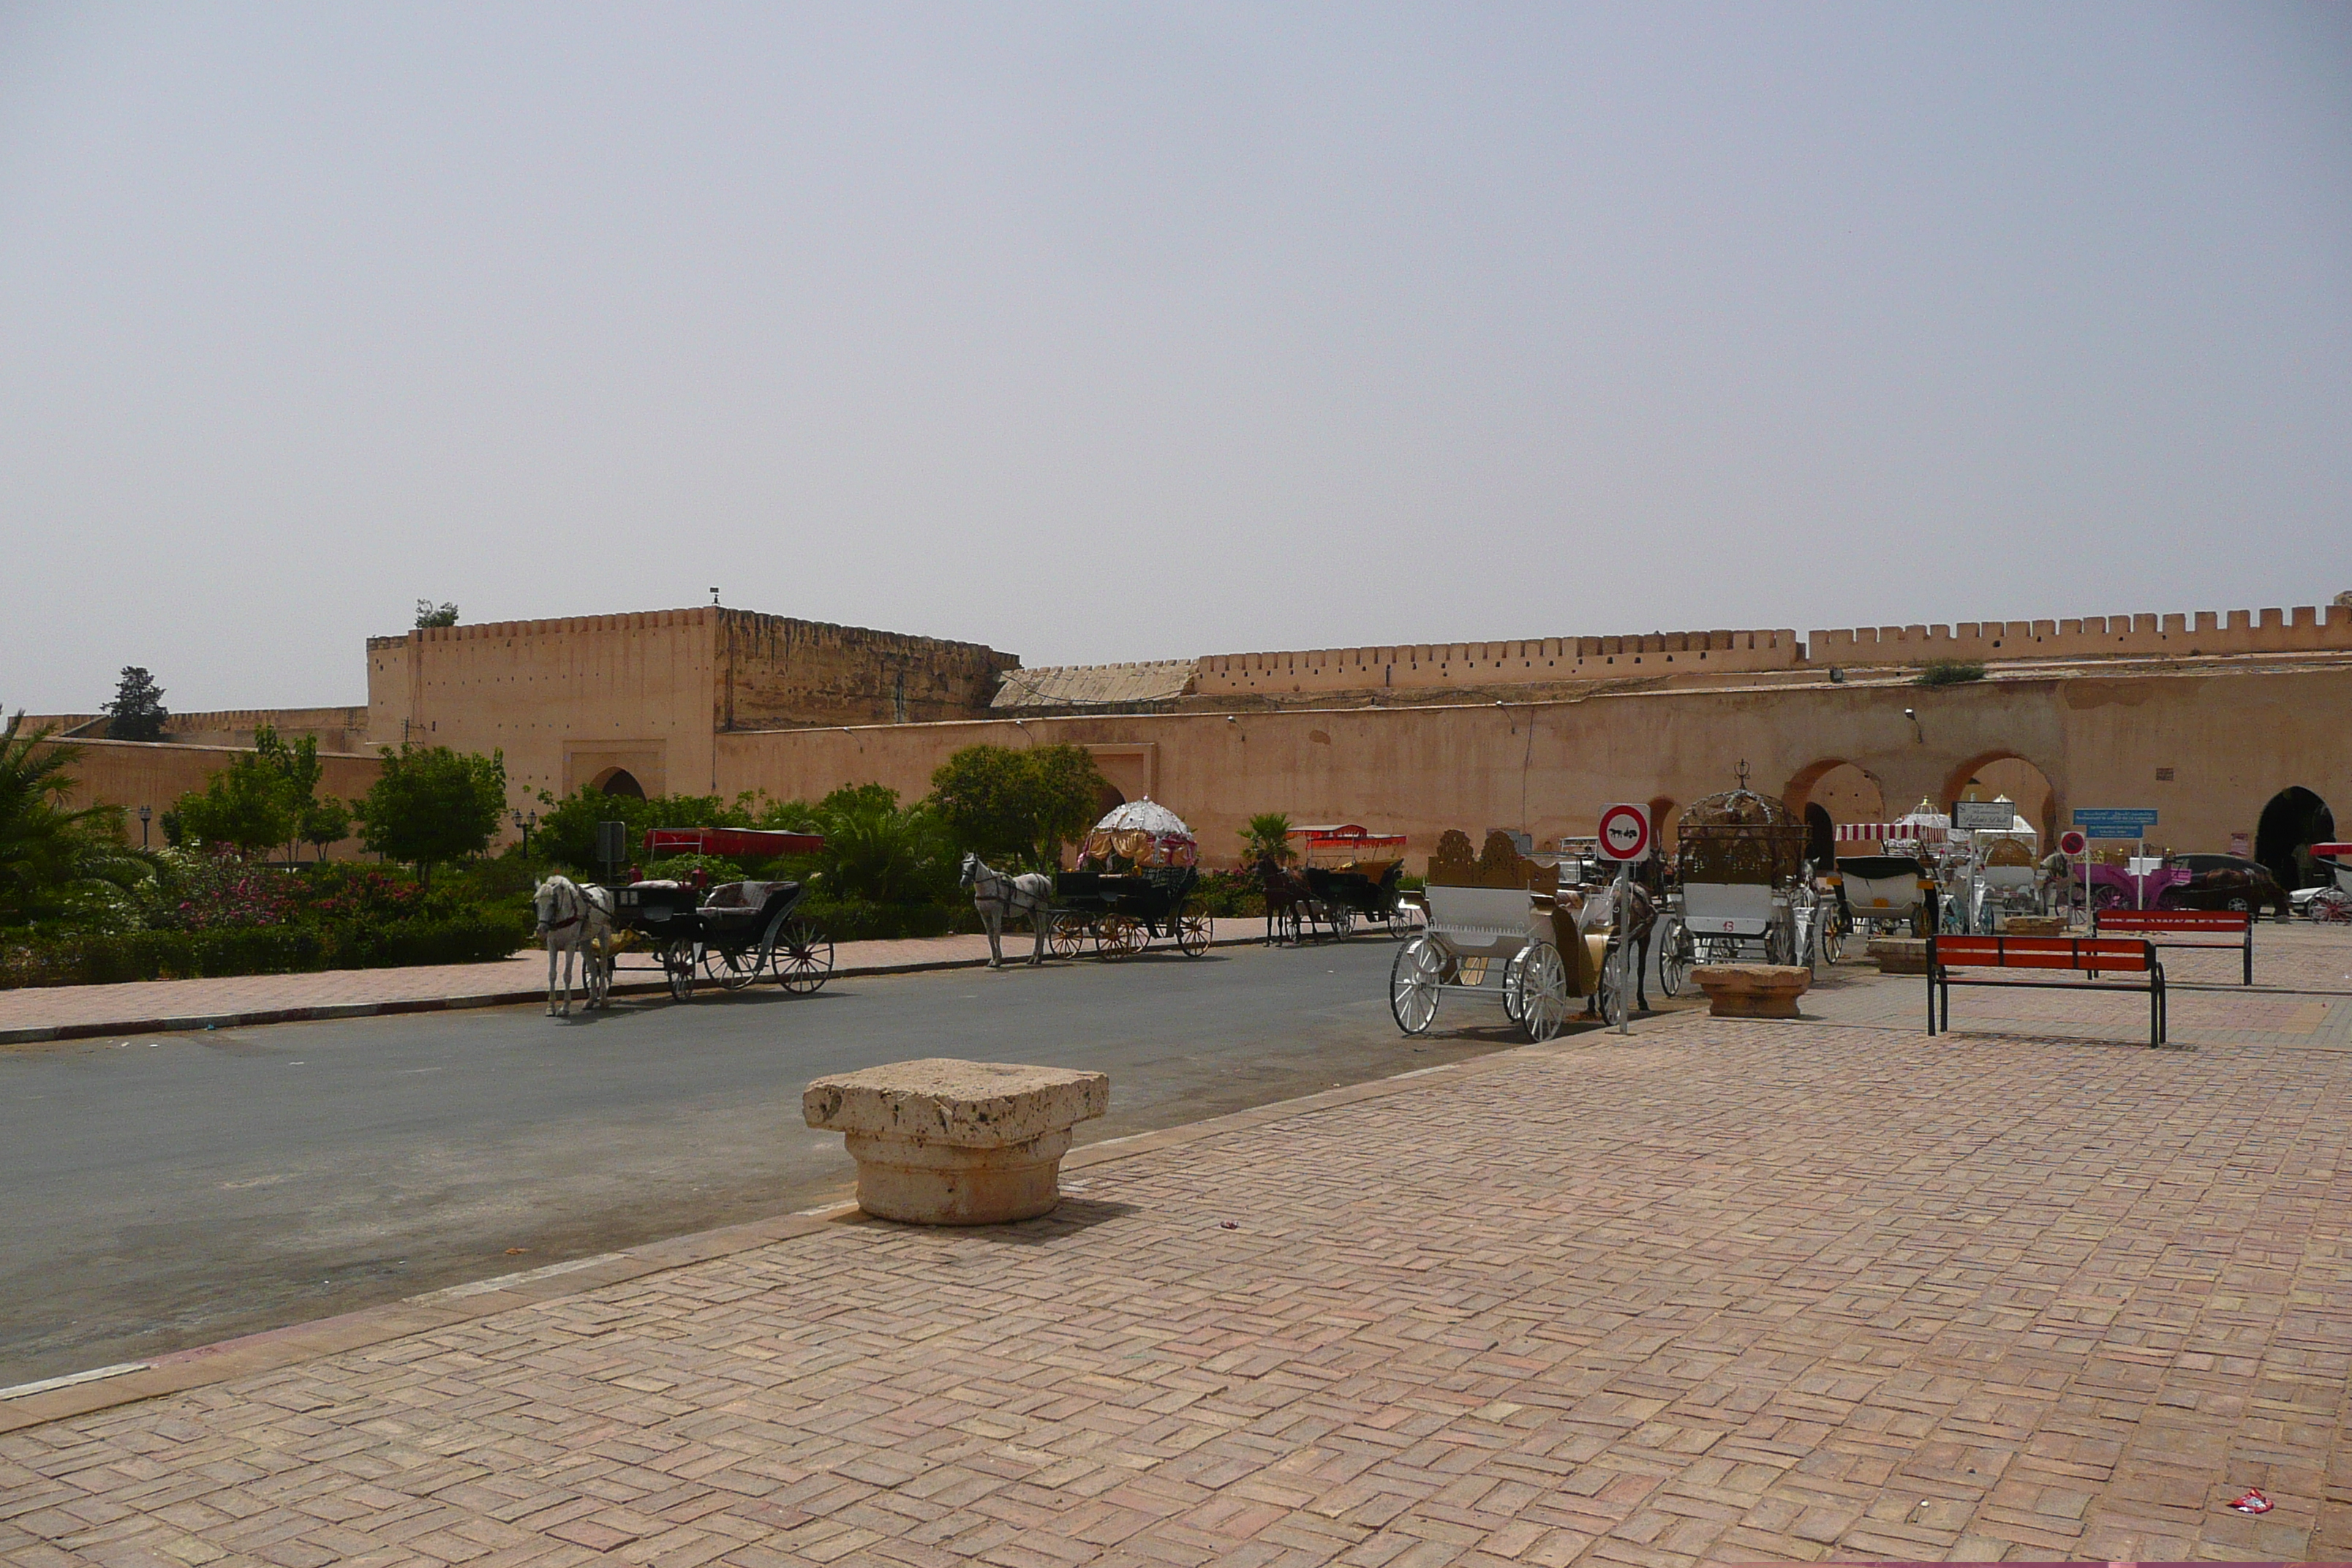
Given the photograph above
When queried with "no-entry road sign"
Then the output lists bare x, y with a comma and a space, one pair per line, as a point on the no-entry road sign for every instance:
1625, 832
2072, 843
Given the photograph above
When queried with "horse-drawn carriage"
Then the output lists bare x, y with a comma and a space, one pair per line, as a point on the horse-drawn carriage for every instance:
1134, 884
1747, 889
1350, 874
2331, 903
731, 935
1501, 929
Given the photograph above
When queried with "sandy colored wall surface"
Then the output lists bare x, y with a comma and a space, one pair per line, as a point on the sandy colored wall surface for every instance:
132, 774
1436, 667
2231, 742
775, 671
565, 700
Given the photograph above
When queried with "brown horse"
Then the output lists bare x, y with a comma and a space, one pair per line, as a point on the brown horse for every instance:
1285, 893
1641, 919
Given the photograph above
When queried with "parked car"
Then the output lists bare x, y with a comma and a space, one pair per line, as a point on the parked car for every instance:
2224, 882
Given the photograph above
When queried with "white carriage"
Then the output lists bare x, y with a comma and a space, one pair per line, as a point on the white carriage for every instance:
1502, 929
1896, 889
1747, 890
2331, 903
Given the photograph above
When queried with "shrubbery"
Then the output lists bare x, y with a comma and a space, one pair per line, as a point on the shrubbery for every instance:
288, 949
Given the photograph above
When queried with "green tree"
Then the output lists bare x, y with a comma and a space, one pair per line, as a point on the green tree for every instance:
431, 806
323, 822
429, 613
54, 860
243, 806
299, 771
137, 712
1015, 808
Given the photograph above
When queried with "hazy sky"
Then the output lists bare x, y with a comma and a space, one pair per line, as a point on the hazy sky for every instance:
1101, 331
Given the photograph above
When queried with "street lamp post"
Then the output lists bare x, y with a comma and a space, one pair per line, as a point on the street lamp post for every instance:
526, 825
144, 812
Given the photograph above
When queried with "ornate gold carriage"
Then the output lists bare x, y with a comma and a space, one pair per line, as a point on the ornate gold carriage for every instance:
1746, 890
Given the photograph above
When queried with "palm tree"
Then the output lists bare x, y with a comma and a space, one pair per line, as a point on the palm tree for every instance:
1268, 833
53, 857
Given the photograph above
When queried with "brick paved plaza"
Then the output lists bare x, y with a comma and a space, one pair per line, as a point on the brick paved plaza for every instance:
1718, 1290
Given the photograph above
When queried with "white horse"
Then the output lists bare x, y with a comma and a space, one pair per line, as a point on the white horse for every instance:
575, 919
999, 897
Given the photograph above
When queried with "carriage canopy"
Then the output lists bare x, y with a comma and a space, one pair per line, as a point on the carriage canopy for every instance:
739, 843
1348, 846
1142, 833
1740, 837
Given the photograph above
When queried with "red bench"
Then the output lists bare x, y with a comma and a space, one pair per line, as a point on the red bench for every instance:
2087, 955
2157, 925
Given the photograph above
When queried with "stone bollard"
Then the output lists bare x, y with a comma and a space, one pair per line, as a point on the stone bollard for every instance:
1752, 990
1900, 954
942, 1141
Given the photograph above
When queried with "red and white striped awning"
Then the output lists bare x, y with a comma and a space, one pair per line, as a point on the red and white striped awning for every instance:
1880, 832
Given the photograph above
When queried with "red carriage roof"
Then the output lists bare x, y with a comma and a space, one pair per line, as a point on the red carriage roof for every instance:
741, 843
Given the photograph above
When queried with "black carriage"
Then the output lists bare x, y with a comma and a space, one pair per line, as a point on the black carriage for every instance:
1136, 883
1120, 913
731, 935
1351, 874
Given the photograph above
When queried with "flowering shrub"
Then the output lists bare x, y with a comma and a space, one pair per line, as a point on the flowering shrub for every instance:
194, 891
362, 893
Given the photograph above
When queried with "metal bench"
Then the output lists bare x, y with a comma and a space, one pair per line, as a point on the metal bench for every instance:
2089, 956
2165, 928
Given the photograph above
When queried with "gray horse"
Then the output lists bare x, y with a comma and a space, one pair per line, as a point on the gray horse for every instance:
1000, 897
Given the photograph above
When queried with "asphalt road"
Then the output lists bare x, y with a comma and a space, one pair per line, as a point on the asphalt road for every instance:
172, 1190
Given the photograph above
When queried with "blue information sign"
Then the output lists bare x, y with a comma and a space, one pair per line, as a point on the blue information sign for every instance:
2115, 821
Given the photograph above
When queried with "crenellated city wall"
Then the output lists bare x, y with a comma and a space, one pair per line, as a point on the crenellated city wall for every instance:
2306, 629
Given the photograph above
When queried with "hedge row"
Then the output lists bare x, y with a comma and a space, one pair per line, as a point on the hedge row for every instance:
259, 950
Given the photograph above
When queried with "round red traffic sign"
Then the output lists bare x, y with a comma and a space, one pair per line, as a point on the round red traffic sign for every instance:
2072, 843
1625, 832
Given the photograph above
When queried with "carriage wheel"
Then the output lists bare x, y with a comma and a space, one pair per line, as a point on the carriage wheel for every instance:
1289, 928
1192, 928
1069, 936
1609, 990
1539, 981
803, 957
1413, 980
1777, 946
1675, 961
677, 963
1120, 937
1343, 922
1832, 937
731, 971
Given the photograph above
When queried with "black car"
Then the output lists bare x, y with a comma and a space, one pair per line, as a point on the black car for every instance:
2224, 882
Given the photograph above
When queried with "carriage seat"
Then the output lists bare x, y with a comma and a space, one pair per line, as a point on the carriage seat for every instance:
746, 895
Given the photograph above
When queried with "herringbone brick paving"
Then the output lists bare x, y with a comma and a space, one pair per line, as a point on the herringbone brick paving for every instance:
1724, 1290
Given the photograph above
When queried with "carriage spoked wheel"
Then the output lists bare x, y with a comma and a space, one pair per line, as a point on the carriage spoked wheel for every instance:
1068, 938
1832, 937
733, 971
1535, 990
1413, 980
1192, 928
802, 957
1612, 987
1675, 961
677, 962
1343, 922
1120, 937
